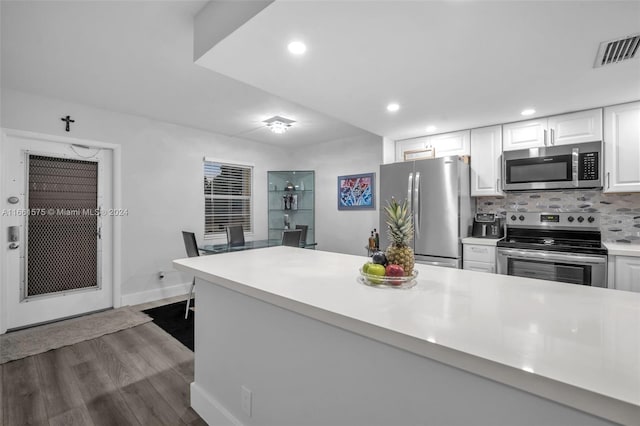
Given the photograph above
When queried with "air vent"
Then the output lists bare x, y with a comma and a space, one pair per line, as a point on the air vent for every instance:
614, 51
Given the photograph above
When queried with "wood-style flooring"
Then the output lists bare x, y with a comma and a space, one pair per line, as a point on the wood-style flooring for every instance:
138, 376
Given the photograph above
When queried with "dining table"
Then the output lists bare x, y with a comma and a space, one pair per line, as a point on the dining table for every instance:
247, 245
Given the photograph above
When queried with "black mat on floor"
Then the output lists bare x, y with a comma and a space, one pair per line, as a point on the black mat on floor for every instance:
171, 319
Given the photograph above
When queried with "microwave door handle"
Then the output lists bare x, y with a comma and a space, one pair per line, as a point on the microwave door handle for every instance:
549, 256
418, 209
575, 156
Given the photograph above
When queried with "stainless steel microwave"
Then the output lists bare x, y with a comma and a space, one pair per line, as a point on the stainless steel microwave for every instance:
553, 167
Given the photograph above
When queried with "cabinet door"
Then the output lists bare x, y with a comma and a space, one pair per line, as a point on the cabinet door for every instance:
524, 134
471, 265
577, 127
455, 143
486, 167
627, 274
622, 148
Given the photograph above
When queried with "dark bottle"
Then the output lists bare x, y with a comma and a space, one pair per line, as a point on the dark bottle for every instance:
377, 238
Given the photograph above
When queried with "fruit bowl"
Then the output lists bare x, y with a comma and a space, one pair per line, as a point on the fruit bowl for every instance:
388, 282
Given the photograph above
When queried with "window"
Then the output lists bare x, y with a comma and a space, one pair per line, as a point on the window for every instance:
227, 197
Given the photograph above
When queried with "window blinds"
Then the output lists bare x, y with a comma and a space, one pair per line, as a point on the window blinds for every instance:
227, 197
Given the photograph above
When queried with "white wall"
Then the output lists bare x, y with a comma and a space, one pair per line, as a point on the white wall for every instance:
161, 179
342, 231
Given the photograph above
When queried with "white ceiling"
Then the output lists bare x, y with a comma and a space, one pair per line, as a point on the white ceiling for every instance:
136, 57
452, 64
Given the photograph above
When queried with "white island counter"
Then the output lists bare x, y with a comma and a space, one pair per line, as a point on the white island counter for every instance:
313, 346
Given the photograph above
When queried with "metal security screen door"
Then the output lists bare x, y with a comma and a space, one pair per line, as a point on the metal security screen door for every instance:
62, 228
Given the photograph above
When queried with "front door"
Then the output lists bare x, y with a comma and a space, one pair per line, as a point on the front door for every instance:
57, 257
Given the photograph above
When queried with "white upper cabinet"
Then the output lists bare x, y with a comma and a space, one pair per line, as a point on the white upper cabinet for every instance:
576, 127
622, 148
454, 143
524, 134
486, 150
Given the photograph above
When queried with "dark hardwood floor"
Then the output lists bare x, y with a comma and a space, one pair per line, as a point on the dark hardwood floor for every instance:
138, 376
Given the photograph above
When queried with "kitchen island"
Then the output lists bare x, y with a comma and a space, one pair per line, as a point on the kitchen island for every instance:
286, 336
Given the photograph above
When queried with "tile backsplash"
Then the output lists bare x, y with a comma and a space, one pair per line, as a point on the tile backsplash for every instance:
620, 213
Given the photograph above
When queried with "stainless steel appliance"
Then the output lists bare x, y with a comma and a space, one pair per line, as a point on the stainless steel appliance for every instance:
553, 167
487, 225
439, 197
564, 247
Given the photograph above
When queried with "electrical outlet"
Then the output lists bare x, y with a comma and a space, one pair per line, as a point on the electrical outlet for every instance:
245, 399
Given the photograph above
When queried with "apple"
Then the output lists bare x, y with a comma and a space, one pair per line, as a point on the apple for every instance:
365, 267
373, 271
380, 258
393, 270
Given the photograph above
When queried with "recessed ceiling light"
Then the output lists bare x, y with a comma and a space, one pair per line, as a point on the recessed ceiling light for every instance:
393, 107
431, 129
528, 111
297, 47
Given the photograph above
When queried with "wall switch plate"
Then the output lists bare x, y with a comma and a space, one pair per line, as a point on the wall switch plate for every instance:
245, 399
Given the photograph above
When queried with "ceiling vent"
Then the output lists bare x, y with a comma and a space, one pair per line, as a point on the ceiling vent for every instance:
614, 51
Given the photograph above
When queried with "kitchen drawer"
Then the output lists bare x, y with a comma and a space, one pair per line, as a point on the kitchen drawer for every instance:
470, 265
486, 254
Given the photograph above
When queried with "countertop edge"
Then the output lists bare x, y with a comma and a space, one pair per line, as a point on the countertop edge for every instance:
622, 249
481, 241
584, 400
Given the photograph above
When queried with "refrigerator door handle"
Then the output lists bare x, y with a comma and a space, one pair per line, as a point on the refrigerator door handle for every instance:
416, 202
409, 192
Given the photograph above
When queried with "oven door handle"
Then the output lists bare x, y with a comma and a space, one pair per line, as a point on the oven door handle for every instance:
552, 256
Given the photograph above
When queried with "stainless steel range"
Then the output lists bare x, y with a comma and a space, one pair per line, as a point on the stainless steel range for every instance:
564, 247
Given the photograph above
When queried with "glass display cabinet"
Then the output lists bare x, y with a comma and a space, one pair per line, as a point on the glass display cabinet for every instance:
291, 202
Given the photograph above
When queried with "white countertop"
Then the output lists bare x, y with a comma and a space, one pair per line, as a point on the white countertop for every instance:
481, 241
622, 249
573, 344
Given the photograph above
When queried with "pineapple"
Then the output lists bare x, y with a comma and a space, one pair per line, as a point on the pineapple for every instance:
400, 233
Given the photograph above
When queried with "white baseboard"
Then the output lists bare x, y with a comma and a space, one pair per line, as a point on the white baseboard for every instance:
210, 408
155, 294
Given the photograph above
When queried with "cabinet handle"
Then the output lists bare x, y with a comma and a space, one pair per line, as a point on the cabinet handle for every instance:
544, 137
552, 137
608, 180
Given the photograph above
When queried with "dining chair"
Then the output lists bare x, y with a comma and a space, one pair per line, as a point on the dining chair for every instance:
192, 251
303, 235
235, 235
291, 238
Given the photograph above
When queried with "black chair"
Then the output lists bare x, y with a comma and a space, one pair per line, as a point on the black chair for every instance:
192, 251
235, 235
291, 238
303, 235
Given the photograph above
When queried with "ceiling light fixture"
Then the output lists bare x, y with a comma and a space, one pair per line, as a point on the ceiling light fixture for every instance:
278, 124
431, 129
297, 47
529, 111
393, 107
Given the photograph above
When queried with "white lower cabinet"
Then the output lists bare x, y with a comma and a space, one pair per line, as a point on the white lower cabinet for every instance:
627, 273
476, 257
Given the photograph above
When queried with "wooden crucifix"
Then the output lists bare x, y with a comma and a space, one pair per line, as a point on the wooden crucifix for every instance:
68, 120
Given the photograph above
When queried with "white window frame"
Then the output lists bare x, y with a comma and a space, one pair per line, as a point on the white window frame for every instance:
251, 167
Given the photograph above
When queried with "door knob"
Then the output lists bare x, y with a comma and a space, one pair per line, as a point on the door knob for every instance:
14, 246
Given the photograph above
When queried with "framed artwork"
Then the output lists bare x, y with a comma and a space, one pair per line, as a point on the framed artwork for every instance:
356, 192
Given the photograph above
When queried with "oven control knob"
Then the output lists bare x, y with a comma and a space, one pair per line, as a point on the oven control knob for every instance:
570, 219
521, 218
591, 219
580, 219
513, 217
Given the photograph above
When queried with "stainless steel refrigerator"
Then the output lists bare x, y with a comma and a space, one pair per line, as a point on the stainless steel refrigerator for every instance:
439, 197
